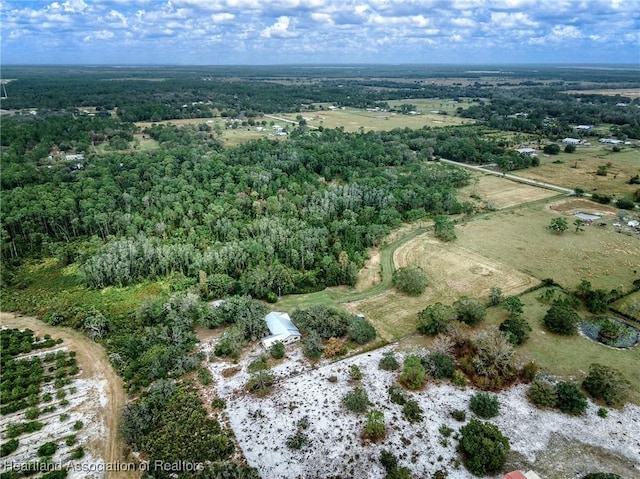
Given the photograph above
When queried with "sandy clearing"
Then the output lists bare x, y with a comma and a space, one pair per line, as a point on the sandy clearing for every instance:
369, 275
336, 448
95, 366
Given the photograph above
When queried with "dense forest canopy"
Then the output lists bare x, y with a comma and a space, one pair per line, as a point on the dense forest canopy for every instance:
189, 219
271, 216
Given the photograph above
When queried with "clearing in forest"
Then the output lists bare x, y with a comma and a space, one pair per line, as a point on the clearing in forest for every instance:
453, 271
500, 193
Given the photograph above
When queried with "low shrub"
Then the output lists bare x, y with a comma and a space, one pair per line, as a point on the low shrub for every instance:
459, 415
356, 400
542, 393
570, 399
277, 351
412, 411
485, 405
438, 365
388, 362
484, 447
397, 395
608, 384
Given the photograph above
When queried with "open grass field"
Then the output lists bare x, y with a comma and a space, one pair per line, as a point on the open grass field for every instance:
501, 193
568, 356
579, 169
453, 271
628, 92
354, 120
430, 105
519, 238
630, 305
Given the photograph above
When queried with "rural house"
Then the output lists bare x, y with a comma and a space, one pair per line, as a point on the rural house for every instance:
281, 328
526, 151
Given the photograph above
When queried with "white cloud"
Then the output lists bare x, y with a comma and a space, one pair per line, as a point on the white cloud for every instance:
100, 35
342, 29
115, 15
222, 17
511, 20
565, 32
280, 29
74, 6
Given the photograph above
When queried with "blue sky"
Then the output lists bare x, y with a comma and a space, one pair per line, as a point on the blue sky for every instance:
226, 32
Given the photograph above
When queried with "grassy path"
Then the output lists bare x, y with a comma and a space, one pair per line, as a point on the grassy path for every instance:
342, 294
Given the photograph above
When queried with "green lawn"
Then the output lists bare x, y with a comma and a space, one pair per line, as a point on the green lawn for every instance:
568, 356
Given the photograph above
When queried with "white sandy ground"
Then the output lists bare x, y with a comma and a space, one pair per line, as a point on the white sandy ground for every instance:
336, 449
84, 405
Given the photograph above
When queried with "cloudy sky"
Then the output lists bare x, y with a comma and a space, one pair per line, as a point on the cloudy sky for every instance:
214, 32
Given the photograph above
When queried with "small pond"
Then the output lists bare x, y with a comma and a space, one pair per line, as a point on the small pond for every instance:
611, 331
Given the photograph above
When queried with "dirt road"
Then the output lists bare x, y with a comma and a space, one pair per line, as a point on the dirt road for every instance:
508, 176
95, 365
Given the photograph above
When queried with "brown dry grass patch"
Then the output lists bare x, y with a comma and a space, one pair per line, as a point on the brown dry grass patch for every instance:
577, 205
369, 275
501, 192
579, 169
453, 271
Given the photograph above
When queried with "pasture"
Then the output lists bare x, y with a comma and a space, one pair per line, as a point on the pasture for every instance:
567, 356
352, 119
499, 193
579, 169
453, 271
519, 238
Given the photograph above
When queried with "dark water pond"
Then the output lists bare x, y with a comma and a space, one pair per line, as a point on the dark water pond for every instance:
611, 331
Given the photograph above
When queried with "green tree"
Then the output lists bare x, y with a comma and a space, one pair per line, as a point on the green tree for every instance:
513, 305
439, 365
483, 446
356, 400
607, 383
516, 330
413, 373
561, 320
360, 330
388, 362
496, 296
411, 280
435, 318
570, 148
277, 351
469, 310
444, 228
579, 224
558, 225
326, 321
570, 399
551, 149
542, 393
312, 346
260, 382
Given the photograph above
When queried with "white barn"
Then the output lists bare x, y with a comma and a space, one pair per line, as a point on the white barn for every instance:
281, 328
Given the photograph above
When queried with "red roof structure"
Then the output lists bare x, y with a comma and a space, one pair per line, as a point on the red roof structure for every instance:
515, 475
